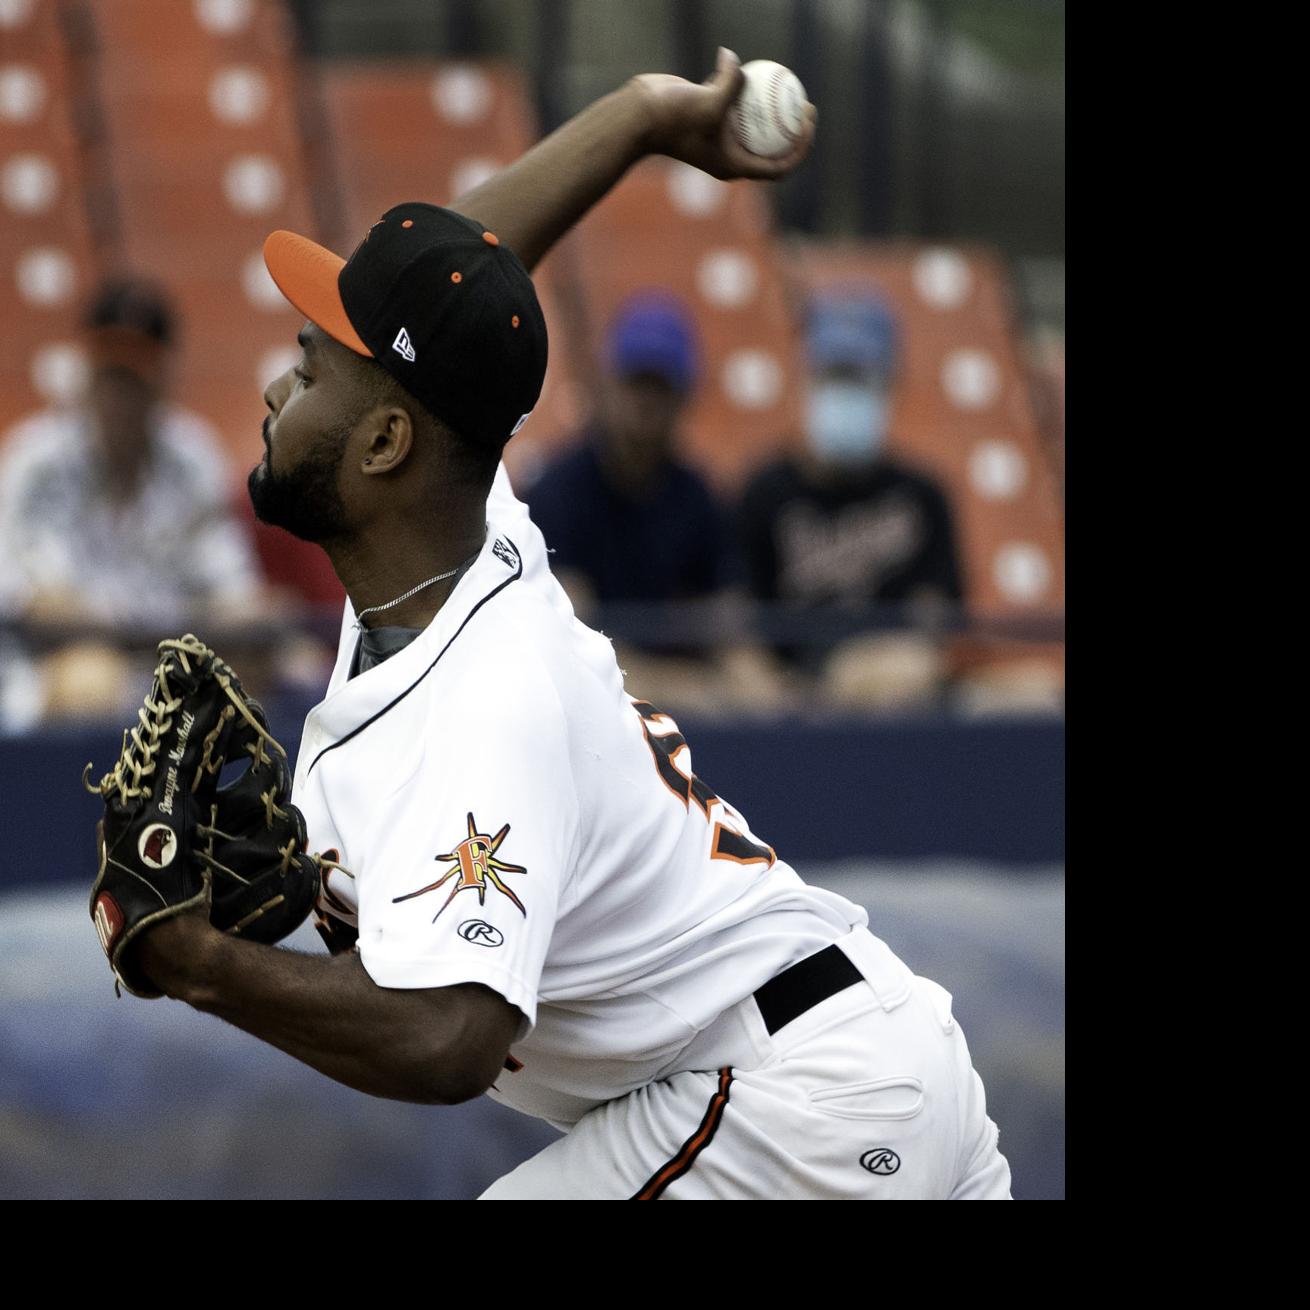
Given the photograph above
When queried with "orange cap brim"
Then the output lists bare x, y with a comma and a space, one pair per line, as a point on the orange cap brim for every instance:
306, 274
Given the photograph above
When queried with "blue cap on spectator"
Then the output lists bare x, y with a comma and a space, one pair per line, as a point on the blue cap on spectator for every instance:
852, 329
653, 333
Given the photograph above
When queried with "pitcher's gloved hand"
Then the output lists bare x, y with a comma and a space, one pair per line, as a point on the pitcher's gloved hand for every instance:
172, 839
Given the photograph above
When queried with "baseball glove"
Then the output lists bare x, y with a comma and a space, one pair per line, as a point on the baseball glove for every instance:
265, 881
173, 839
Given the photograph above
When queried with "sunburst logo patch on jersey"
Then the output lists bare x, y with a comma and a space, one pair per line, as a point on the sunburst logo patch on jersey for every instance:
474, 864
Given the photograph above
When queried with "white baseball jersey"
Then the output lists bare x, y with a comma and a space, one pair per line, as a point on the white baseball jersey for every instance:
510, 816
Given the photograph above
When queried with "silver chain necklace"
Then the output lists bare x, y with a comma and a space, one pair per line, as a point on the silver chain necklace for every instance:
413, 591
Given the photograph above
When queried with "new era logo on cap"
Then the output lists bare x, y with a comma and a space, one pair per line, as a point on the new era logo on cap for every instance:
402, 346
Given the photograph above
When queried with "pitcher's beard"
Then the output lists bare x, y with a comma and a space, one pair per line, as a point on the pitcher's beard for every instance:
305, 501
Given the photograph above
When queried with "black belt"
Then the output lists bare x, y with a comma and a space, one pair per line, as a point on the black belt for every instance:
804, 985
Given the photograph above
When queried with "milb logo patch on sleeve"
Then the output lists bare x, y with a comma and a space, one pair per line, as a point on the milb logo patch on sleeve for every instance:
505, 553
474, 864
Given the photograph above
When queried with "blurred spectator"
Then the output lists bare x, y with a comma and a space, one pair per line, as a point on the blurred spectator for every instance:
625, 518
628, 521
841, 526
114, 512
117, 509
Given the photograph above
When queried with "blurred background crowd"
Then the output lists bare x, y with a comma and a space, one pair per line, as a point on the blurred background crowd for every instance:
799, 447
800, 451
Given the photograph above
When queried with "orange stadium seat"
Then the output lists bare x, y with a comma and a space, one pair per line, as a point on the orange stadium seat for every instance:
218, 207
251, 107
210, 305
44, 288
30, 29
174, 36
40, 166
41, 193
46, 262
664, 197
420, 129
202, 139
35, 98
964, 411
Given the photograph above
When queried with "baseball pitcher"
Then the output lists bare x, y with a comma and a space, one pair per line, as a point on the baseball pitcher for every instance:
526, 888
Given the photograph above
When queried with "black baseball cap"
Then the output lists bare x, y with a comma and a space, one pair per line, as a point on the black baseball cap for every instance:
439, 303
130, 324
133, 303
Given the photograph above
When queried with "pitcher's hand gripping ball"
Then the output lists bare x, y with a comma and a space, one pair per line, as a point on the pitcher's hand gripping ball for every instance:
172, 839
769, 113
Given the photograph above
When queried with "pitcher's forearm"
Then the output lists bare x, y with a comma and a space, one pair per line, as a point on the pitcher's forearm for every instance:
324, 1011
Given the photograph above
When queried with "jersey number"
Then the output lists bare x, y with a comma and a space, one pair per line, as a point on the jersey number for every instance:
728, 843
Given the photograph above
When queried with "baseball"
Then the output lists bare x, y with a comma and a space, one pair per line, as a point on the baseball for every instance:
770, 111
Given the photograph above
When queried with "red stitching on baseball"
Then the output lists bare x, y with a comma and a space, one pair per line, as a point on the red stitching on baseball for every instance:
774, 84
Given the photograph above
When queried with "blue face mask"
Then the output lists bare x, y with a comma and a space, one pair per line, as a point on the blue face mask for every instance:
847, 422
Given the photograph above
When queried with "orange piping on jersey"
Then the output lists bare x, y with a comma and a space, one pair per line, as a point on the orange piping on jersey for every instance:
717, 854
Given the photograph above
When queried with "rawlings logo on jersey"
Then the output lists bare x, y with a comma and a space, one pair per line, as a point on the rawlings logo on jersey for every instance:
474, 863
481, 933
